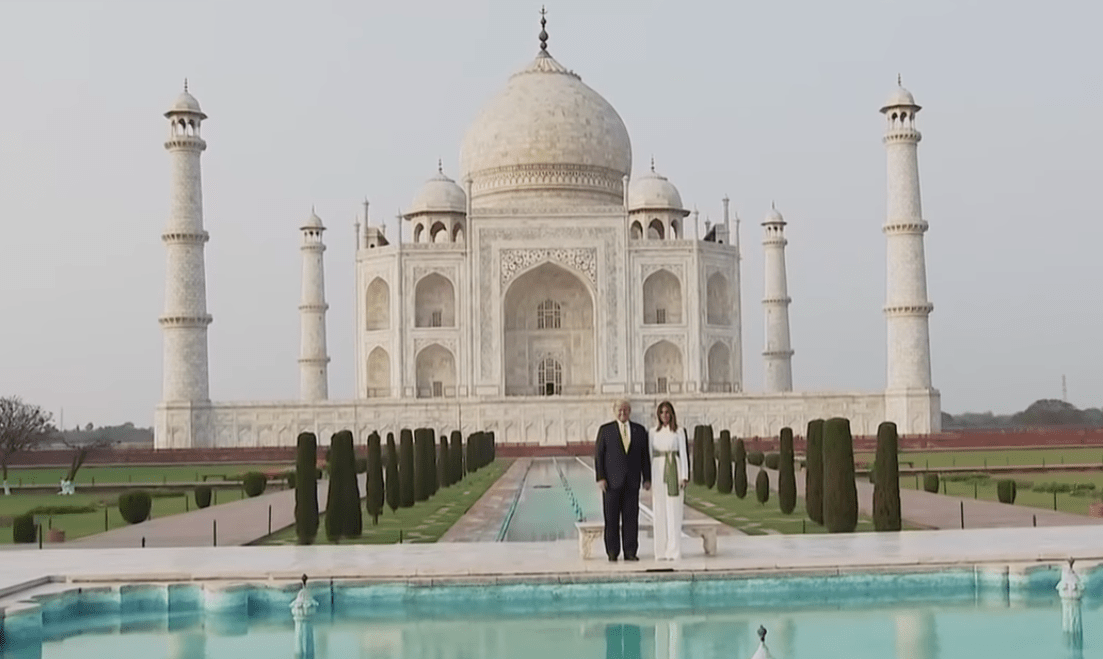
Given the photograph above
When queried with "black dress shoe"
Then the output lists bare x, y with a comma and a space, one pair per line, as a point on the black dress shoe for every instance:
633, 557
613, 558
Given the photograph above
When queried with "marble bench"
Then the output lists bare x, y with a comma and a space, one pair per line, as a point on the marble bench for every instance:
590, 533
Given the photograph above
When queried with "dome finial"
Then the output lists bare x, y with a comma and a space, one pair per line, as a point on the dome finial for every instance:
185, 85
899, 80
652, 164
543, 32
440, 166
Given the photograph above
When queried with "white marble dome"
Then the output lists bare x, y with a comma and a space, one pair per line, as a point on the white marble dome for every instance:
546, 133
440, 194
900, 97
185, 102
652, 191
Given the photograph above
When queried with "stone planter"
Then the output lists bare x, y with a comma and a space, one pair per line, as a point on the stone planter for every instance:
55, 535
1095, 509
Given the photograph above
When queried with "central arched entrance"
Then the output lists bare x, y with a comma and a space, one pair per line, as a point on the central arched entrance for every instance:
548, 327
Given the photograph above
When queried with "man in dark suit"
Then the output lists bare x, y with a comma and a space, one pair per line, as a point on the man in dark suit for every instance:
622, 462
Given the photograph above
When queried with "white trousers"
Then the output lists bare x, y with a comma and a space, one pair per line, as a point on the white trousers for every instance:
668, 515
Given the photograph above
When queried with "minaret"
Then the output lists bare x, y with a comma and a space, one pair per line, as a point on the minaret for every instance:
185, 318
737, 348
313, 360
778, 356
906, 304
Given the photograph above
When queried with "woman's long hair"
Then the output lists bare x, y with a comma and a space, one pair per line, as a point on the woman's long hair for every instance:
673, 417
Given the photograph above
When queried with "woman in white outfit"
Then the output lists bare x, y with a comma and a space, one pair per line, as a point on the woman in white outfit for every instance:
670, 469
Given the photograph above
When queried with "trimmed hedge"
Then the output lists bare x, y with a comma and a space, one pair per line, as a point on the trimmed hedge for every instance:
756, 458
23, 529
306, 490
930, 483
374, 500
840, 492
813, 473
698, 458
886, 480
762, 486
202, 496
392, 485
444, 463
1005, 490
361, 465
739, 480
772, 460
254, 483
786, 476
134, 507
290, 480
425, 471
406, 467
455, 457
724, 480
710, 457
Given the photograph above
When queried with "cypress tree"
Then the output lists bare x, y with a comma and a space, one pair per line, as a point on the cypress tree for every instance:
786, 476
472, 460
698, 455
491, 447
422, 488
840, 493
762, 486
306, 488
353, 515
392, 484
335, 522
406, 466
710, 458
375, 477
431, 455
739, 482
443, 466
813, 472
455, 454
724, 463
886, 484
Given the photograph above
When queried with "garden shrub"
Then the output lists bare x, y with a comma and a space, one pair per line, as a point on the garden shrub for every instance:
724, 463
930, 483
134, 507
755, 458
306, 492
361, 465
255, 483
698, 458
455, 456
709, 457
771, 460
840, 492
1005, 490
291, 480
424, 471
443, 466
391, 484
23, 529
62, 510
202, 496
375, 498
786, 476
406, 467
739, 479
886, 479
813, 475
762, 486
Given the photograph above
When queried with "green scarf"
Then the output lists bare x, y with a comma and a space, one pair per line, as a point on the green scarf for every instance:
670, 473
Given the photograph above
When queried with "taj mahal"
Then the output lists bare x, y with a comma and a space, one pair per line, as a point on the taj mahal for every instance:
541, 284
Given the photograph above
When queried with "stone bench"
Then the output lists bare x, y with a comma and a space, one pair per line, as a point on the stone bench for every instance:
590, 533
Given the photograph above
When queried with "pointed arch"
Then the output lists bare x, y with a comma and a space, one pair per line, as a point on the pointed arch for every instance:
719, 300
377, 305
434, 302
663, 369
720, 367
655, 230
637, 230
379, 374
436, 372
662, 299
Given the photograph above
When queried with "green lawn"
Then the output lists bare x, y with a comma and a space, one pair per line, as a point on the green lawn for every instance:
754, 518
994, 458
986, 489
426, 521
78, 525
135, 474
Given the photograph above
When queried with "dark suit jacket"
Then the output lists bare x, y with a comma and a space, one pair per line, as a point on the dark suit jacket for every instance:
613, 465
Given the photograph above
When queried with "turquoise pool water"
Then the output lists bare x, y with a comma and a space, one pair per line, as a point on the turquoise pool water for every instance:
556, 493
942, 615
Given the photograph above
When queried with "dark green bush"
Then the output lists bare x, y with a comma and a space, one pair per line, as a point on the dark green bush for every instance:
813, 474
840, 492
697, 473
361, 465
202, 496
23, 530
443, 464
54, 511
406, 467
1005, 490
306, 492
375, 498
772, 460
291, 480
930, 483
762, 486
886, 479
724, 465
455, 457
739, 478
424, 470
756, 458
786, 476
134, 507
710, 457
255, 483
343, 501
391, 484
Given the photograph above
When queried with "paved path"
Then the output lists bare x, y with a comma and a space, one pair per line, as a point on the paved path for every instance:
940, 511
239, 523
483, 521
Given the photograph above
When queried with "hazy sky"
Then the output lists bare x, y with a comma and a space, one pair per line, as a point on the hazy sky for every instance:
326, 103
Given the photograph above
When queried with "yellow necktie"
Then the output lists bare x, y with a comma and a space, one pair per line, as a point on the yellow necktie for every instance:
624, 437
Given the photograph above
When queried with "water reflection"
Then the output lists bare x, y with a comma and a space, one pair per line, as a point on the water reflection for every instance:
623, 642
